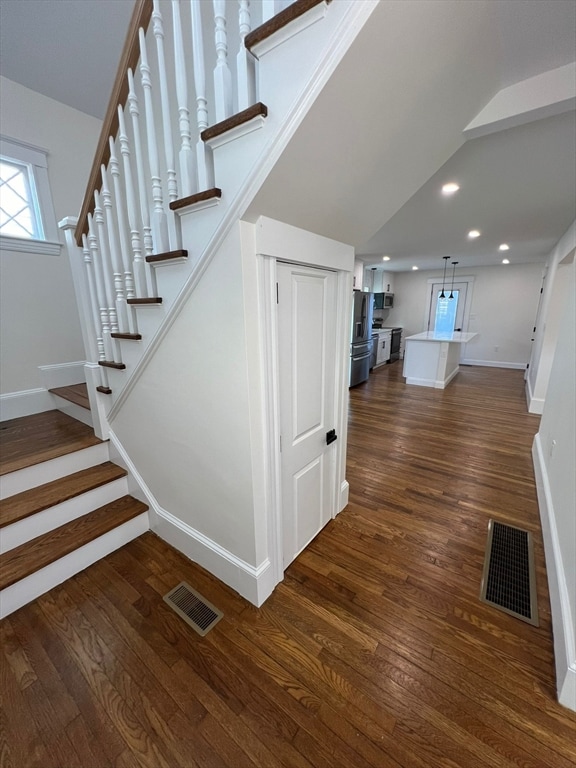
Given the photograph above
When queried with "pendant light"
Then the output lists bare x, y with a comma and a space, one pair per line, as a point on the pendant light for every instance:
443, 295
453, 271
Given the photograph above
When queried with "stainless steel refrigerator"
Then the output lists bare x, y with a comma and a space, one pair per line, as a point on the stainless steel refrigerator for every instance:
361, 337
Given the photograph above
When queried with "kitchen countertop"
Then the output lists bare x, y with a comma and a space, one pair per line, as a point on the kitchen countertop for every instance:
457, 337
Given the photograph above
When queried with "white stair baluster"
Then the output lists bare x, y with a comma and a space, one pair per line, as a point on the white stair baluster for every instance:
124, 245
139, 264
101, 292
94, 303
114, 251
203, 153
158, 29
159, 220
107, 273
222, 75
186, 156
245, 62
142, 182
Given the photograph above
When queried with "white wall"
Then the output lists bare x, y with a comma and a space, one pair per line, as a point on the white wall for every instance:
547, 325
502, 311
39, 322
555, 462
186, 425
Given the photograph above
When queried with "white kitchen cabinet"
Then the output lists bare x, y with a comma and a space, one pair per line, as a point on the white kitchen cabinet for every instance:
383, 349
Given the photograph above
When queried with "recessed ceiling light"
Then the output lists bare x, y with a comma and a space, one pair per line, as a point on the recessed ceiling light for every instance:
505, 261
504, 247
414, 268
385, 258
473, 234
450, 188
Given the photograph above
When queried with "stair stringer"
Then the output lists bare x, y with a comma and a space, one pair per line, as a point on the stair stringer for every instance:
241, 167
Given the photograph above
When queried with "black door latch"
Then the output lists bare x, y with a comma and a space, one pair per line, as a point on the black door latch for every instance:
331, 436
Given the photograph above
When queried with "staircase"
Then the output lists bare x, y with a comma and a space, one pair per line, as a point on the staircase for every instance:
64, 504
207, 97
173, 172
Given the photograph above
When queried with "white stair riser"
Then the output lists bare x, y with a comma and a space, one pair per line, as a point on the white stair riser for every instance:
47, 471
47, 578
24, 530
73, 410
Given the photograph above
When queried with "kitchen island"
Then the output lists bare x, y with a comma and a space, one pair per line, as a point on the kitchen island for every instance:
432, 359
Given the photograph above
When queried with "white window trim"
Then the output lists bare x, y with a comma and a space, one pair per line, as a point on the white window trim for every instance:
36, 158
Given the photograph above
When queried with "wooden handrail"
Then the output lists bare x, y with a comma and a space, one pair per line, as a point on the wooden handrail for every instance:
141, 16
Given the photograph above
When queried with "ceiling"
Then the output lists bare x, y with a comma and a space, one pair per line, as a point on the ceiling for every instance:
382, 195
67, 50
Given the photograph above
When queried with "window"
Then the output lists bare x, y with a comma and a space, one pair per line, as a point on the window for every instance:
27, 220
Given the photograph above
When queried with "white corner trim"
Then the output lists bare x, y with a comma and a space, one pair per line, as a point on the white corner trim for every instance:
493, 363
344, 495
29, 245
297, 25
535, 404
257, 122
562, 618
62, 374
255, 583
13, 405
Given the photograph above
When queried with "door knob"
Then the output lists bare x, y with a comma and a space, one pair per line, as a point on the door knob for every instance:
331, 436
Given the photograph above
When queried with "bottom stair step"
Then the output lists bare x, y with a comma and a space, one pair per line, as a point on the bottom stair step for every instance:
32, 568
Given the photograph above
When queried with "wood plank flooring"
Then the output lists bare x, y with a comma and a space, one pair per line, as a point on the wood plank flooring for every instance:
373, 653
32, 439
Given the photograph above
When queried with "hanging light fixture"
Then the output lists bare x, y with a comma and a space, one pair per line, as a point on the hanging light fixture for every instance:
453, 271
443, 295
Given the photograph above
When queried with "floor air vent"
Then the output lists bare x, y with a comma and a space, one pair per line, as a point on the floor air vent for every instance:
508, 580
193, 608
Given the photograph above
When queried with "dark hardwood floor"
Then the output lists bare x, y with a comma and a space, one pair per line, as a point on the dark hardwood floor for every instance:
373, 652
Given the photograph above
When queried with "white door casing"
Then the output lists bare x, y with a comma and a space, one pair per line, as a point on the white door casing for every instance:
306, 363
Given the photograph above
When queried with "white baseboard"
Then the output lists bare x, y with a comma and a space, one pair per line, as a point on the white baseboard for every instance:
253, 583
535, 404
62, 374
47, 578
14, 405
493, 363
562, 618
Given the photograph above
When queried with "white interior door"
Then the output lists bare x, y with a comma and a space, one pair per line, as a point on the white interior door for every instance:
307, 360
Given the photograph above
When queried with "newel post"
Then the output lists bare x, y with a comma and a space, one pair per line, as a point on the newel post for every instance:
76, 258
90, 334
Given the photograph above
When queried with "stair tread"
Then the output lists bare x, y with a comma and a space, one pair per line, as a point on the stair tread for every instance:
280, 20
129, 336
30, 440
256, 110
28, 558
167, 256
27, 503
112, 364
74, 393
198, 197
149, 300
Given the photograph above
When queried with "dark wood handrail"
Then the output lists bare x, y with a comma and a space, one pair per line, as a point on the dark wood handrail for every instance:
141, 16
